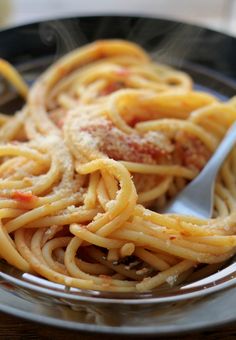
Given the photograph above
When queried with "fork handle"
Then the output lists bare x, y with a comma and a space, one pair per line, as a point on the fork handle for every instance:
221, 153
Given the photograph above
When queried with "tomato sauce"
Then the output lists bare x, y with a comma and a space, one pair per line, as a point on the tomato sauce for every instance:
24, 197
119, 146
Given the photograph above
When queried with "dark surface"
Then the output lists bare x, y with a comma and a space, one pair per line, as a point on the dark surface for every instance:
15, 328
171, 40
189, 47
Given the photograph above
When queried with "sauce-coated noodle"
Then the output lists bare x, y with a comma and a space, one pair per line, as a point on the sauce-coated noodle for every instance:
105, 139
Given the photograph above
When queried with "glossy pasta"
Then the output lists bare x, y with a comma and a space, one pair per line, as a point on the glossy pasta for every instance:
105, 139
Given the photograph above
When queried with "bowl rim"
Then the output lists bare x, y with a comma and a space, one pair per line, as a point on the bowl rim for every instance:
212, 288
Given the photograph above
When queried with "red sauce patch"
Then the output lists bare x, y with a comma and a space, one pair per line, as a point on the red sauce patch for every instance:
60, 123
58, 116
122, 72
25, 197
136, 120
112, 87
191, 152
184, 233
119, 146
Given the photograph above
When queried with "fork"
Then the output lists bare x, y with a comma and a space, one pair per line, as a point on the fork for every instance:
197, 198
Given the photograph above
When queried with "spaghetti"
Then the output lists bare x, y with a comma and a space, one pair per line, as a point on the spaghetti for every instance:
105, 139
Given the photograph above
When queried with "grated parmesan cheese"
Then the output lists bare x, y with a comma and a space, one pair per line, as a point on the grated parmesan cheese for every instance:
171, 280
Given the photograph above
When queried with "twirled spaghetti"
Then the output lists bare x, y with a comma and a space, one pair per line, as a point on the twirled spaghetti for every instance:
105, 139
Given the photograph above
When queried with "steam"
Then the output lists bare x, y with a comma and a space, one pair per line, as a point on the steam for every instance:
178, 45
175, 42
170, 43
179, 41
66, 36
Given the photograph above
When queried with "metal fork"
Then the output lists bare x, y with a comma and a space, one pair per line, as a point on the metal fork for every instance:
197, 198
